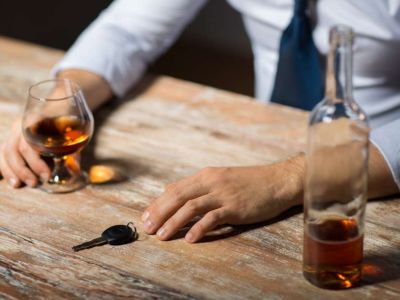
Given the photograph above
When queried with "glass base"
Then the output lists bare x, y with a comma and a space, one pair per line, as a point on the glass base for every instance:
61, 186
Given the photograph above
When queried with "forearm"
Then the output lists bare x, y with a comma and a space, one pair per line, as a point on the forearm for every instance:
95, 88
380, 179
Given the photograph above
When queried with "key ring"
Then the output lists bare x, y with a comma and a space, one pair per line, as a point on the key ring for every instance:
135, 233
134, 228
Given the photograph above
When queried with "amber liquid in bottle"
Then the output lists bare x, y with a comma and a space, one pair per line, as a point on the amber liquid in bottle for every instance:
58, 136
333, 252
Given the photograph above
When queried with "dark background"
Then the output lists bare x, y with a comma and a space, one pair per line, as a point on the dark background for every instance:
213, 50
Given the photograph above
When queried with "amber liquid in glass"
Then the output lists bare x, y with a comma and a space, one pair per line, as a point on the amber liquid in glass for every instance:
58, 136
333, 252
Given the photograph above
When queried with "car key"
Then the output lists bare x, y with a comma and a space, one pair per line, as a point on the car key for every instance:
115, 235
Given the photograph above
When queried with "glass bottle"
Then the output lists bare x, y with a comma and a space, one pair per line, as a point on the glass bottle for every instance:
336, 175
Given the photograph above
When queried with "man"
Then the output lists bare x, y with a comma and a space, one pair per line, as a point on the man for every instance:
112, 54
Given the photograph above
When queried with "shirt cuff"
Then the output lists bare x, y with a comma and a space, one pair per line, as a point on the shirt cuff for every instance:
387, 139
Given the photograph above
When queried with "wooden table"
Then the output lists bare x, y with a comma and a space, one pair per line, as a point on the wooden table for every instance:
167, 130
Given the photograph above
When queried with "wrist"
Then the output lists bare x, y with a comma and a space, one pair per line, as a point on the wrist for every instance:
289, 180
296, 165
95, 88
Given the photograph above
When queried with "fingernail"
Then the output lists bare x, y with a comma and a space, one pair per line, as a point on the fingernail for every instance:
145, 216
30, 182
148, 224
13, 182
189, 237
162, 232
44, 176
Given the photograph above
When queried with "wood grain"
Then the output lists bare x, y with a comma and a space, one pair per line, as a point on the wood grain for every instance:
164, 131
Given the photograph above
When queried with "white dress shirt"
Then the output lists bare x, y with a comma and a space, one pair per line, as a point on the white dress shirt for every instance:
130, 34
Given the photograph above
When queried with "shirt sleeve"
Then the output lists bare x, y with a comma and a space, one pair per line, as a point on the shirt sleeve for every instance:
387, 139
126, 37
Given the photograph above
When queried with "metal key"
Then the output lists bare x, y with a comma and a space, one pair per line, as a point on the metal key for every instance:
115, 235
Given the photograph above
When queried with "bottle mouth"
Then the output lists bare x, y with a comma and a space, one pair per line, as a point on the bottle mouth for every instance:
341, 34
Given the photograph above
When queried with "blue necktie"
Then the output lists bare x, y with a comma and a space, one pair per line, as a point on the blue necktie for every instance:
298, 80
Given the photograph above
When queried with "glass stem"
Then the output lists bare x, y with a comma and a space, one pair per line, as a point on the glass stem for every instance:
60, 173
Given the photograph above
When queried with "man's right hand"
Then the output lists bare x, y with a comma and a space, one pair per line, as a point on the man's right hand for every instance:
19, 162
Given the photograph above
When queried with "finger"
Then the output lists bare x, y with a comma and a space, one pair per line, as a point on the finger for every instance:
175, 196
8, 174
211, 220
32, 158
18, 166
187, 212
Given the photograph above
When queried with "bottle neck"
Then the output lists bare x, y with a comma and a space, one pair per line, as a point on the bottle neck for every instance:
339, 76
